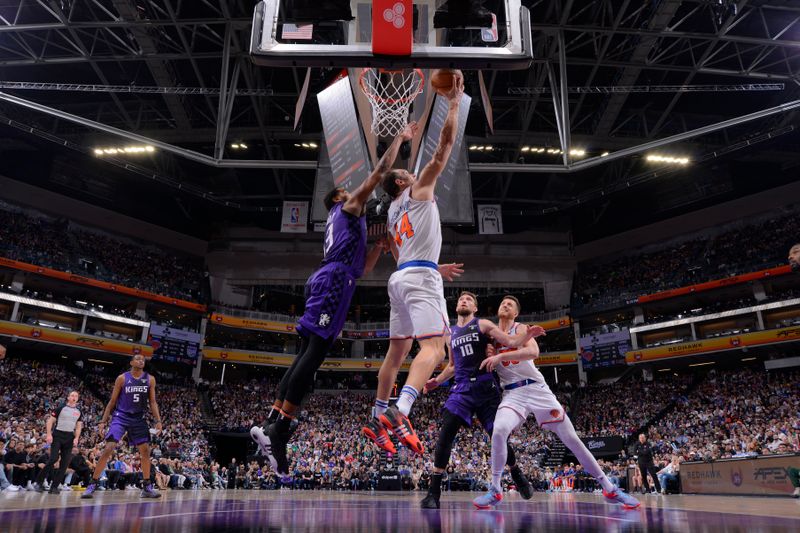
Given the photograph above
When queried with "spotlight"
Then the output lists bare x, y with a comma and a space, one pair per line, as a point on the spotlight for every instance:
525, 149
604, 154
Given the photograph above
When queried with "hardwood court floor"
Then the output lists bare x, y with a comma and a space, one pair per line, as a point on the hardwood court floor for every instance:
317, 512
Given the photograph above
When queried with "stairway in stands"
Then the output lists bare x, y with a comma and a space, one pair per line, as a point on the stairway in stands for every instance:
210, 420
557, 453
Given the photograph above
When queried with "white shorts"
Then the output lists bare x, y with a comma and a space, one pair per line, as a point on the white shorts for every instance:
535, 399
418, 306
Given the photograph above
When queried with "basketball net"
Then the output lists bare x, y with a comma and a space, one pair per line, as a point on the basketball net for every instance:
390, 94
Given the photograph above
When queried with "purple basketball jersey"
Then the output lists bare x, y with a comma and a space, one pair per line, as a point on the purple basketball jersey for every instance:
135, 395
346, 240
468, 349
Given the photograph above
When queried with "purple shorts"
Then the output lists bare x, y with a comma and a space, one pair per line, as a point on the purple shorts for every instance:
136, 428
478, 398
328, 294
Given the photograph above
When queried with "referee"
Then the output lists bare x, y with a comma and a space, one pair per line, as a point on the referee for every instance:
67, 421
644, 456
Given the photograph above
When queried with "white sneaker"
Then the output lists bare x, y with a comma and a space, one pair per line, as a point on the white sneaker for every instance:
796, 493
29, 486
12, 488
64, 488
46, 485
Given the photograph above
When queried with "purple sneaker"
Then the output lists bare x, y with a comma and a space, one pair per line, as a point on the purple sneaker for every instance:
150, 492
88, 494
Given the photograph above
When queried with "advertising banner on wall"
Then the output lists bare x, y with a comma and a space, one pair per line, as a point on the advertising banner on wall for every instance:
762, 476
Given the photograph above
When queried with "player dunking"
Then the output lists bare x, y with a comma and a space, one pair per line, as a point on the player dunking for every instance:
416, 294
475, 391
525, 393
133, 391
328, 294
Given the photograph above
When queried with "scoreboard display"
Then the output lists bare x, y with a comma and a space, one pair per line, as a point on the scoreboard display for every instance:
173, 344
605, 349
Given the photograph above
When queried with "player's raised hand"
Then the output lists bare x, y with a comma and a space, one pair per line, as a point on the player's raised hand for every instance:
451, 271
535, 331
490, 363
430, 386
409, 131
455, 93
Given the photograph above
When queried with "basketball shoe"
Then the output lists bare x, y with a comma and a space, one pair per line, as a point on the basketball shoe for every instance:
627, 501
401, 426
524, 486
491, 499
278, 442
375, 432
88, 494
149, 492
431, 501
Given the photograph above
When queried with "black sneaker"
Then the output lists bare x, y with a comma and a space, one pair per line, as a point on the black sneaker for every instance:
278, 442
524, 486
431, 501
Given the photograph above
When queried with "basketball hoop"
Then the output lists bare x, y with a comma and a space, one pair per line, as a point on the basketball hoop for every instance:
390, 93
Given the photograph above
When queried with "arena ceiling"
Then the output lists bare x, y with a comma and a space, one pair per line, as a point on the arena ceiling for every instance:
174, 70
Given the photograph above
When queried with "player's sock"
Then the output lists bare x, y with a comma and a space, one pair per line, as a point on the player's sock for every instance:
283, 423
274, 413
566, 432
496, 481
407, 398
379, 408
436, 484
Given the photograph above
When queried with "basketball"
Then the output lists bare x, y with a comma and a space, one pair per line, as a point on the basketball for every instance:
442, 80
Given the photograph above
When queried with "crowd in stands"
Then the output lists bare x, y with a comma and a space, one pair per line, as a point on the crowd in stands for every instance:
736, 251
62, 245
622, 408
734, 414
726, 414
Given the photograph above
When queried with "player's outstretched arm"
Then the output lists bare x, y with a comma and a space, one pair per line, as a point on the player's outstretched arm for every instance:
529, 352
522, 337
154, 405
355, 204
451, 271
448, 372
381, 247
423, 188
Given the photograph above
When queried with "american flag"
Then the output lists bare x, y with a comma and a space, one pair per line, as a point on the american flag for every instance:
294, 31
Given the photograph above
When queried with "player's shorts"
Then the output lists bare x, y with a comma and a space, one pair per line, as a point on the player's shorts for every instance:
328, 293
478, 398
418, 306
535, 399
135, 427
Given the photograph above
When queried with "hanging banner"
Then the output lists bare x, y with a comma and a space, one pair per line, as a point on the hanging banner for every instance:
83, 280
70, 338
604, 446
490, 219
295, 217
224, 355
717, 344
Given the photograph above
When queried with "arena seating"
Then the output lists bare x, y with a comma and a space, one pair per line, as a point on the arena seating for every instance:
722, 414
42, 242
749, 248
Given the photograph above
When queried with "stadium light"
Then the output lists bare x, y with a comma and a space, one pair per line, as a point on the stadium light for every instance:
130, 150
658, 158
604, 154
577, 152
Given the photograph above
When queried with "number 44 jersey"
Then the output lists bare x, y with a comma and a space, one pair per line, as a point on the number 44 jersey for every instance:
416, 228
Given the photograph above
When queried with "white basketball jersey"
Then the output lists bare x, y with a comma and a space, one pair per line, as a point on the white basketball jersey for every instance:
513, 371
416, 228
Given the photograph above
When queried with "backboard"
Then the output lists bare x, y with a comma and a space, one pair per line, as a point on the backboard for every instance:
280, 39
